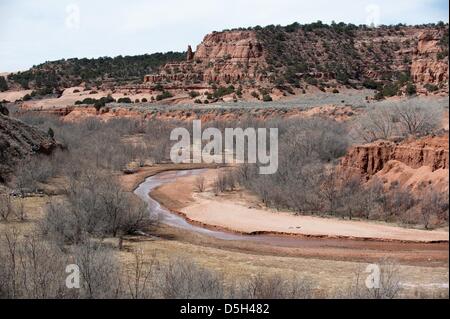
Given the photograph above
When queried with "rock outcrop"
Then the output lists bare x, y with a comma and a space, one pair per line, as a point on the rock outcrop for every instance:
19, 140
429, 65
369, 159
190, 54
222, 57
276, 57
415, 165
234, 46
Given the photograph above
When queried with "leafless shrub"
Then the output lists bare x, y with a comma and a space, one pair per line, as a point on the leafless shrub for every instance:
200, 184
349, 193
396, 120
159, 151
370, 199
19, 211
99, 271
389, 284
34, 170
417, 120
140, 277
262, 286
219, 185
96, 205
31, 268
183, 279
6, 207
377, 123
11, 207
230, 180
433, 204
63, 224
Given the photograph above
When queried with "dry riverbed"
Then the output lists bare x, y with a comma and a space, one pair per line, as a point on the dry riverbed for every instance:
238, 212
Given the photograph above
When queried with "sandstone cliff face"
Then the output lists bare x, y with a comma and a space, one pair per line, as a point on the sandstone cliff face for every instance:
371, 158
18, 140
222, 57
324, 56
427, 67
416, 165
237, 46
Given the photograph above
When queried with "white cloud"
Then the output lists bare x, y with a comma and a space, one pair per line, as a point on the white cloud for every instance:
35, 31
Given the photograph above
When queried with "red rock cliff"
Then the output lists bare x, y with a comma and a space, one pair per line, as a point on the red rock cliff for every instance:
236, 46
371, 158
427, 67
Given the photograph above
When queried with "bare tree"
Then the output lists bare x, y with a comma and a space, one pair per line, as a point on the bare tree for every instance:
6, 207
31, 268
219, 185
376, 124
432, 204
96, 205
139, 276
263, 286
389, 284
183, 279
99, 270
416, 119
200, 184
19, 211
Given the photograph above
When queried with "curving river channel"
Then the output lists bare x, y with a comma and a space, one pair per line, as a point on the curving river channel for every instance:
167, 217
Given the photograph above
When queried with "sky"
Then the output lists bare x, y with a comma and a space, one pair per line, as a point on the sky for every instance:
35, 31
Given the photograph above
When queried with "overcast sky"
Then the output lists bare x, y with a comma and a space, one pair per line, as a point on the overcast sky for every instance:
35, 31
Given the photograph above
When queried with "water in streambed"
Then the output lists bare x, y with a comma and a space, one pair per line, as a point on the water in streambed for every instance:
169, 218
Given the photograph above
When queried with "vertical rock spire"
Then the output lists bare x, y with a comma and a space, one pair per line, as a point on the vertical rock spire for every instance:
190, 54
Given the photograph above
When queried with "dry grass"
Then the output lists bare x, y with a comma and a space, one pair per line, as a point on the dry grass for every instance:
328, 275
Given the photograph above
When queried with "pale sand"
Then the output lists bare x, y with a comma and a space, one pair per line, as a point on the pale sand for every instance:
241, 212
226, 214
69, 97
12, 96
415, 179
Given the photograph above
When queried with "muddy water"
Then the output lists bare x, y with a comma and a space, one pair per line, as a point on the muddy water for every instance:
355, 246
166, 216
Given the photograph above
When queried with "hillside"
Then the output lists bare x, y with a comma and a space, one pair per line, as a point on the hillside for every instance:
416, 164
347, 53
392, 59
17, 141
72, 72
276, 60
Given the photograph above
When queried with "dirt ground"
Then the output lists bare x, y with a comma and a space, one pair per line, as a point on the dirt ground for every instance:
12, 96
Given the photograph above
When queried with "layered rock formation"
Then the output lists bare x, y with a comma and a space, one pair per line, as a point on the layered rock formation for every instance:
284, 56
233, 46
371, 158
414, 164
430, 65
19, 140
222, 57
